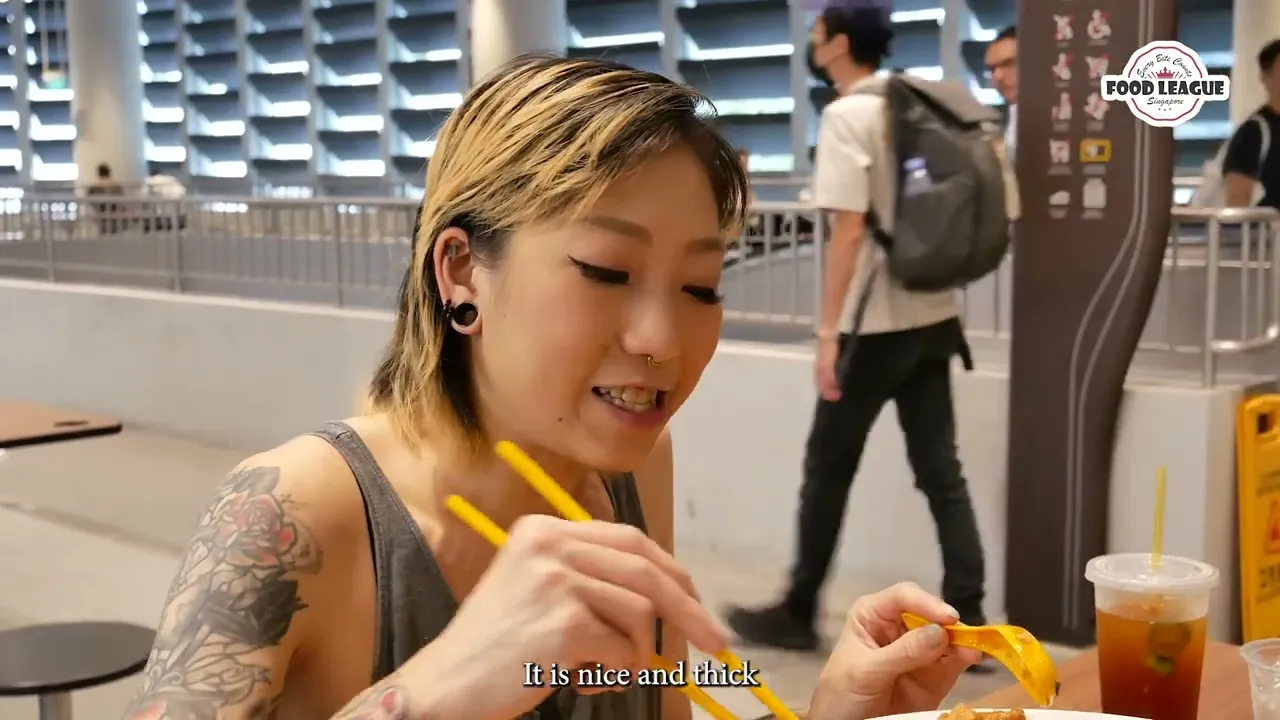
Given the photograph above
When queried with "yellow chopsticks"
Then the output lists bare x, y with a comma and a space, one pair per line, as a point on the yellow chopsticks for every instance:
568, 508
490, 531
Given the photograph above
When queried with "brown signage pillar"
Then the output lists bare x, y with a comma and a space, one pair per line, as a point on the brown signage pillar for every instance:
1097, 189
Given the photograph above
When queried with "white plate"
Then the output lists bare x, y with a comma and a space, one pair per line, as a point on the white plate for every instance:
1032, 714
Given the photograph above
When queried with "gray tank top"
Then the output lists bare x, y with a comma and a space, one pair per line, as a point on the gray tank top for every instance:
414, 603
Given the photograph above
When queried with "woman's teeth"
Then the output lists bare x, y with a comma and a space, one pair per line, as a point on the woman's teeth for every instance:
633, 399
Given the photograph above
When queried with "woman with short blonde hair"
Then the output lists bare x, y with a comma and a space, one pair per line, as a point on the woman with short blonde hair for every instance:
562, 294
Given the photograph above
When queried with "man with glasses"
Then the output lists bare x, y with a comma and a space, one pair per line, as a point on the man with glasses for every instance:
1002, 71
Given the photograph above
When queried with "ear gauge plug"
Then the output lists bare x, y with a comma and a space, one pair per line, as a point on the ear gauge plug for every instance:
463, 315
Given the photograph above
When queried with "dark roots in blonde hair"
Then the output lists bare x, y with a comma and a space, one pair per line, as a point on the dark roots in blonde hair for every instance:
537, 141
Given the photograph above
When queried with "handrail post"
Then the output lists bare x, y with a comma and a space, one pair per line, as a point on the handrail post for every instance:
339, 295
1208, 368
179, 211
1272, 233
46, 228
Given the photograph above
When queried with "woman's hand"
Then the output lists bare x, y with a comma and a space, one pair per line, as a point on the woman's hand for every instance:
879, 668
559, 593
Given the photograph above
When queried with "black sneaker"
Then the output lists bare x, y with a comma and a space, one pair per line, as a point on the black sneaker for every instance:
772, 627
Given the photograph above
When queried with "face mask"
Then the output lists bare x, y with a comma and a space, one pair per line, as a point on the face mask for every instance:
816, 70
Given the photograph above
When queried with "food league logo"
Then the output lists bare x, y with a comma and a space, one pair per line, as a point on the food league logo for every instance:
1165, 84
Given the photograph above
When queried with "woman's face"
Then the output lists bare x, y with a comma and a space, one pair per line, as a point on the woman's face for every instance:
572, 315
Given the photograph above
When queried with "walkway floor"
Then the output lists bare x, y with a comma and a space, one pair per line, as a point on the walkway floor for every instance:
93, 530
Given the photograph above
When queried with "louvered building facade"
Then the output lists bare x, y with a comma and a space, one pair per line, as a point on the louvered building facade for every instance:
345, 95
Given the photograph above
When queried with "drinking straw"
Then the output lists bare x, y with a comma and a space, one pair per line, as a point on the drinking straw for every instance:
569, 509
540, 481
471, 516
1157, 534
489, 530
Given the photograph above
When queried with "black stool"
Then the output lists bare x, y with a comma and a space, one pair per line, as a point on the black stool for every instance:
52, 661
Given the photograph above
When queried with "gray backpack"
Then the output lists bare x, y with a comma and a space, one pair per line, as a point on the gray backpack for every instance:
956, 192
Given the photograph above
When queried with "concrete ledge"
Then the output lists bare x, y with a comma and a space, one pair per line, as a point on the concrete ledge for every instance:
250, 374
234, 373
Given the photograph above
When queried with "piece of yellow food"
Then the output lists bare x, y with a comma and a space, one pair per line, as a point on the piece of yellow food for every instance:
1013, 646
963, 712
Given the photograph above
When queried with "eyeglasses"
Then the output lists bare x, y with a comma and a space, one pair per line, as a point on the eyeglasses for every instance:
1007, 64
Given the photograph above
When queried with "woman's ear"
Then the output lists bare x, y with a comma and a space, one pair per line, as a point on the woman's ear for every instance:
454, 266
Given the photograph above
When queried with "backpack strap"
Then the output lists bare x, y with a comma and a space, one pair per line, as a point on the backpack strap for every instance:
845, 361
1264, 131
876, 228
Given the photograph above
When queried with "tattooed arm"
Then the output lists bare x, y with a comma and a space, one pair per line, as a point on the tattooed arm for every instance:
239, 607
225, 640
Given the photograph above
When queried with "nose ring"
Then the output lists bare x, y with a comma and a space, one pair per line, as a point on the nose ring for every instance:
652, 363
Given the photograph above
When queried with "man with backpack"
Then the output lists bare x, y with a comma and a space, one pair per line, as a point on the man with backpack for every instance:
889, 324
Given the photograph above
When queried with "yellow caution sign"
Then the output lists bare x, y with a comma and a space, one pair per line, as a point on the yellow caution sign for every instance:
1258, 462
1272, 542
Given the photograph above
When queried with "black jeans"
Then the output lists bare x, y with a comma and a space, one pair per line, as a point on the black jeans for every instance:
913, 369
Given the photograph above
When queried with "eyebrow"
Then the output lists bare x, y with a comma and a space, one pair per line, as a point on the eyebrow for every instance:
635, 231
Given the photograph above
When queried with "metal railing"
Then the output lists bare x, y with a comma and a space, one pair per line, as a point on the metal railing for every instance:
1219, 294
1235, 253
769, 186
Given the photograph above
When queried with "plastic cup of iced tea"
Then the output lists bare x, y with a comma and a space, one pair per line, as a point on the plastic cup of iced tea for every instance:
1152, 620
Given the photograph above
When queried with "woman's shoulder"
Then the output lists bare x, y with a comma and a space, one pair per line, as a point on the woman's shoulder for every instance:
281, 532
312, 484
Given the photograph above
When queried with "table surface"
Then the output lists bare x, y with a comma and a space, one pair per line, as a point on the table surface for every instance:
30, 424
58, 658
1224, 689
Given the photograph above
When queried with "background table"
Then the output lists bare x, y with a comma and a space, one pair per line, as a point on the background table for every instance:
52, 661
1224, 689
31, 424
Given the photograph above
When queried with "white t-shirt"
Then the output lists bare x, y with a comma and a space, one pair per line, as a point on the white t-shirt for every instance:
852, 173
165, 186
1011, 131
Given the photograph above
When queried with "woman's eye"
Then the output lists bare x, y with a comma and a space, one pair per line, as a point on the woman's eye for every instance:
602, 275
706, 295
609, 276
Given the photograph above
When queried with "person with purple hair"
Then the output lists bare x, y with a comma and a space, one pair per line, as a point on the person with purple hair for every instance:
905, 342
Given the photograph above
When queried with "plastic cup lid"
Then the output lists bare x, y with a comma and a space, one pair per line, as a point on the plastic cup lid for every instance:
1133, 572
1263, 655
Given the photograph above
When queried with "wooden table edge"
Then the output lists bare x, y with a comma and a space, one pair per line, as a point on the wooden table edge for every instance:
24, 424
1224, 687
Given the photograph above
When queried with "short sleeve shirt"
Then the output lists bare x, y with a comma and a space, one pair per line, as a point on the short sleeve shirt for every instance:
852, 173
1244, 156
